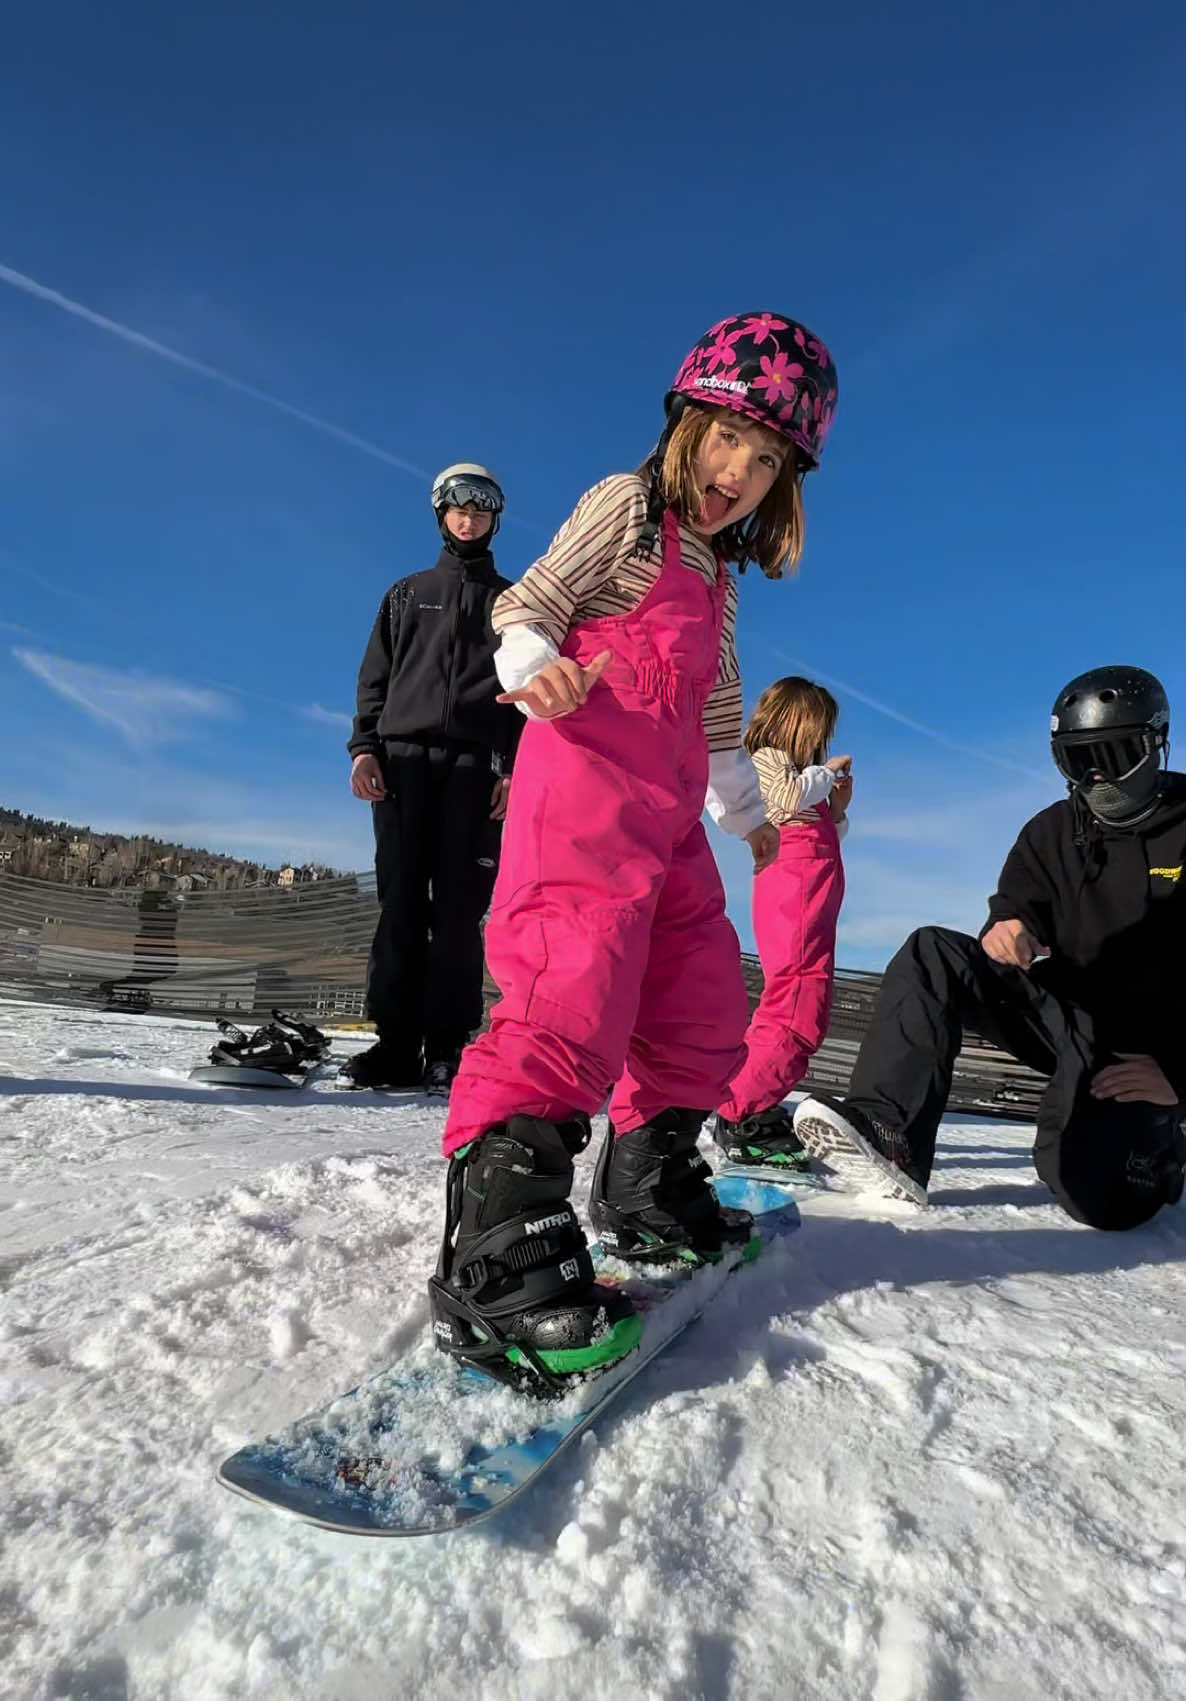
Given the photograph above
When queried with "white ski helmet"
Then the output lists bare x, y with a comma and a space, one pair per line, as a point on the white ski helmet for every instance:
467, 482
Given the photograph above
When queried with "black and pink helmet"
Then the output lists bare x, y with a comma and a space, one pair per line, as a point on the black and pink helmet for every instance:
769, 369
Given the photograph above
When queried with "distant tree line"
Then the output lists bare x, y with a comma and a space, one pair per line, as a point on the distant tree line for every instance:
76, 856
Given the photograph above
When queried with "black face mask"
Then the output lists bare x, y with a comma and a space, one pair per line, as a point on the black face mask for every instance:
465, 549
1118, 775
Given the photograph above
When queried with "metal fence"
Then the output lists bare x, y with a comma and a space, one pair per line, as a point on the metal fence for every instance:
304, 949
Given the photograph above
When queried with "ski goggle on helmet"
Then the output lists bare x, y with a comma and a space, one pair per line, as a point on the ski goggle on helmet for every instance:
769, 369
1109, 730
467, 484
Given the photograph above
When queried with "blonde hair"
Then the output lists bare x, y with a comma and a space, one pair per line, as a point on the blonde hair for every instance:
773, 534
794, 715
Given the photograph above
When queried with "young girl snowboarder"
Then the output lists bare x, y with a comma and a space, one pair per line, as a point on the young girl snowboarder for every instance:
607, 933
795, 906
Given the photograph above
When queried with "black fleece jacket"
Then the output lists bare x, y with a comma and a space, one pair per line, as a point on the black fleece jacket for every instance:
428, 672
1111, 906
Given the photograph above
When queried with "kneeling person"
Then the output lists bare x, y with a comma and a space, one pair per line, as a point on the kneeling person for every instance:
1092, 904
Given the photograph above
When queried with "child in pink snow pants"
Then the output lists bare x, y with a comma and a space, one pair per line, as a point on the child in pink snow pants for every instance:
619, 971
796, 905
608, 923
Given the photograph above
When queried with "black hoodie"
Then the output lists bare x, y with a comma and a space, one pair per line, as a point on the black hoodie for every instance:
428, 671
1111, 905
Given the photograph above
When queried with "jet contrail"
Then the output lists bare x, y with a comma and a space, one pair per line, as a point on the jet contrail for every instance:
42, 292
905, 720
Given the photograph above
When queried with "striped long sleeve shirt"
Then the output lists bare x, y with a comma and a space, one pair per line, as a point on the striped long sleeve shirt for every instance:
793, 795
592, 569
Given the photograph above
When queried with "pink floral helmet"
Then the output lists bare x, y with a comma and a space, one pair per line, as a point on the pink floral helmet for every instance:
768, 368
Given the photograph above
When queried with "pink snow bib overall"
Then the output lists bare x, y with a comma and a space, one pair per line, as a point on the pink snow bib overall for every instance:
796, 906
607, 934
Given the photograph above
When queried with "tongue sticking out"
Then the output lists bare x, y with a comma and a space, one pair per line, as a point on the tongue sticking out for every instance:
715, 506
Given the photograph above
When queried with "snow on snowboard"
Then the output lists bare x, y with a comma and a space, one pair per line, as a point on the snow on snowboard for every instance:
366, 1465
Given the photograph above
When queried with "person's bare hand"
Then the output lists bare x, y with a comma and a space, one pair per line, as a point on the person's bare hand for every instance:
560, 687
498, 800
1135, 1079
838, 765
366, 779
840, 797
763, 843
1012, 944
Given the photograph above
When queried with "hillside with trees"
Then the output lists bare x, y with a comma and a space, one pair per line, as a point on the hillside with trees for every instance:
77, 856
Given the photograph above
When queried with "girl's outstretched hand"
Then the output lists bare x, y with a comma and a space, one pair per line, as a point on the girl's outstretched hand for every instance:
560, 687
763, 842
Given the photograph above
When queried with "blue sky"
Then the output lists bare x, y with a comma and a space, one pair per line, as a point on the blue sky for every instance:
491, 235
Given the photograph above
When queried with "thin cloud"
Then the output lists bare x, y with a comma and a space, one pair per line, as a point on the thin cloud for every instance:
326, 717
967, 820
149, 345
266, 840
178, 795
146, 711
893, 714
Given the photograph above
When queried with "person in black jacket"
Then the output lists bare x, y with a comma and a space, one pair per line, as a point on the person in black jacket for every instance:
432, 755
1079, 972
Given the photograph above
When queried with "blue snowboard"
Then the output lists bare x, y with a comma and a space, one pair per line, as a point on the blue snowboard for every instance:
360, 1467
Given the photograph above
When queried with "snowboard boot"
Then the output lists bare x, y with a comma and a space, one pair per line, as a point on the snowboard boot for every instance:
514, 1291
651, 1199
766, 1139
864, 1152
439, 1073
381, 1067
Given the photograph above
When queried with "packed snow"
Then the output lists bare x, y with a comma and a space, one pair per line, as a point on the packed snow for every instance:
911, 1456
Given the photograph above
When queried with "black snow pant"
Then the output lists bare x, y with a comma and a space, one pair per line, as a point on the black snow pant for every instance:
1110, 1165
436, 855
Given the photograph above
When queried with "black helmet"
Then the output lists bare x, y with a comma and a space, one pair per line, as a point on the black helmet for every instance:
1108, 731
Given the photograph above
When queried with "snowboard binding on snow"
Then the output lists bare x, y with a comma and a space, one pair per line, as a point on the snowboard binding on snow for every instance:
283, 1046
766, 1141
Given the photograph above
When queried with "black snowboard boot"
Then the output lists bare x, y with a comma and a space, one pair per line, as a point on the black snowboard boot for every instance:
651, 1198
767, 1138
514, 1291
383, 1066
439, 1073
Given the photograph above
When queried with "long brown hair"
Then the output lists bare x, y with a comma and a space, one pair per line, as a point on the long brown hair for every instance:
795, 715
773, 534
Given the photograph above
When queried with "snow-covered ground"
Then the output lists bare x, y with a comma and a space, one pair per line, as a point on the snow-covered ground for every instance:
915, 1456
